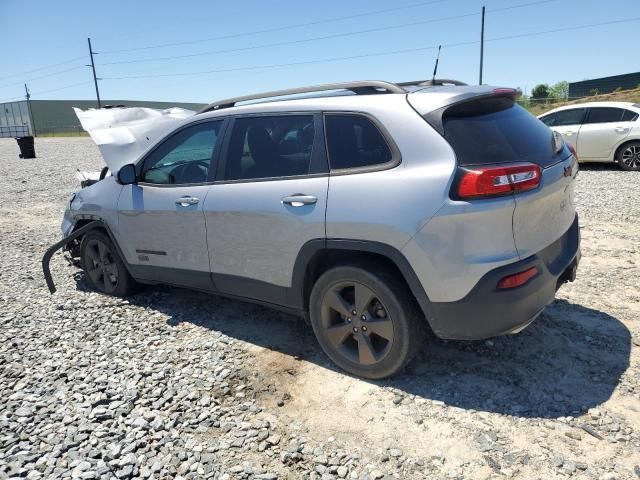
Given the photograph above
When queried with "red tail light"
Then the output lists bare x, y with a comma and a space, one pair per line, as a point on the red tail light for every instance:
502, 180
572, 149
517, 279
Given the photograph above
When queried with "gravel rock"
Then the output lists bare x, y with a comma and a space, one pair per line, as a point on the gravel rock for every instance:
177, 384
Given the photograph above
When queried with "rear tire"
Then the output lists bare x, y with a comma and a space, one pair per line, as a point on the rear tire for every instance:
103, 267
386, 330
628, 157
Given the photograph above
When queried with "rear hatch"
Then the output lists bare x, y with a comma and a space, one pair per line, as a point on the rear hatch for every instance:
491, 133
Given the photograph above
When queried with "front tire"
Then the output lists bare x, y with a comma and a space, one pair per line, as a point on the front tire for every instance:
103, 267
629, 157
366, 322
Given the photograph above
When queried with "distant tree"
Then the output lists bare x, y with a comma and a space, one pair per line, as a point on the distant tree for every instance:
540, 92
559, 91
594, 91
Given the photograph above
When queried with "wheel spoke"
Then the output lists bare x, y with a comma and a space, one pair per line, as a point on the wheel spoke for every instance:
366, 354
93, 254
383, 328
102, 249
339, 333
363, 297
336, 302
95, 273
112, 268
109, 285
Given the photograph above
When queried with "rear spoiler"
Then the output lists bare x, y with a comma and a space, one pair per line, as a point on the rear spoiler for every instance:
434, 117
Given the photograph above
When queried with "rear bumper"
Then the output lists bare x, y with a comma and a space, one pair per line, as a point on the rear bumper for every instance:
488, 312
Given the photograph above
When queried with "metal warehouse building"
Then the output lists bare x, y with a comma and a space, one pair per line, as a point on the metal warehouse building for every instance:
47, 117
604, 85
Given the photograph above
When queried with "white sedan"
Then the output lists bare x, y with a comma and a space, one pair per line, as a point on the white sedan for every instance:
600, 131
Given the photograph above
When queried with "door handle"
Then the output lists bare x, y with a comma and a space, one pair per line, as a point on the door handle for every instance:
568, 134
186, 201
621, 130
299, 199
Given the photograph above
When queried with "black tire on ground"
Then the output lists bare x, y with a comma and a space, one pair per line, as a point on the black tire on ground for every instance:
103, 267
628, 157
385, 340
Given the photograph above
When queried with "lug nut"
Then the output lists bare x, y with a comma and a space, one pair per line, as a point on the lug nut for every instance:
364, 329
355, 329
354, 312
348, 319
363, 317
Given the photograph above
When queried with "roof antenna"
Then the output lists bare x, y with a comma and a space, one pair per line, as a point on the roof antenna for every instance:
435, 69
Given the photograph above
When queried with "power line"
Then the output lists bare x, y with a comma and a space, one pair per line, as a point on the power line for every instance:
289, 42
369, 55
65, 87
64, 62
322, 37
42, 76
40, 92
274, 29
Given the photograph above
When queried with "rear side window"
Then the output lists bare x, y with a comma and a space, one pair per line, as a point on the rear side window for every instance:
604, 115
497, 130
565, 117
353, 141
629, 116
270, 146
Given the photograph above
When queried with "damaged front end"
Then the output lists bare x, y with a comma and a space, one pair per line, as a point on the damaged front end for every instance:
73, 237
122, 136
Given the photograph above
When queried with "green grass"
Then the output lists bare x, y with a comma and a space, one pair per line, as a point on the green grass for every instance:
62, 134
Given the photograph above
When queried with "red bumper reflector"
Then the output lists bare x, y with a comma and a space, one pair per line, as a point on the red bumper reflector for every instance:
517, 279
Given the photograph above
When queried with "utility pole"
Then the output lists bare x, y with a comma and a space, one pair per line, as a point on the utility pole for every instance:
32, 120
93, 67
481, 45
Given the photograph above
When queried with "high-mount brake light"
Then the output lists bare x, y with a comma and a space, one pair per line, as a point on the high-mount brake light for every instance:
498, 180
510, 92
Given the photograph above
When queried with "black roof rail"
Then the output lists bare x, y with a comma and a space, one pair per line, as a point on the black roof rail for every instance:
363, 87
431, 83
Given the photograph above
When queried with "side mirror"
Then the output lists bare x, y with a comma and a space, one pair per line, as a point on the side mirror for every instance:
127, 174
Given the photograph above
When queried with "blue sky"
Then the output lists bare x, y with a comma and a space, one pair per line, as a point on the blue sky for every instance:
39, 33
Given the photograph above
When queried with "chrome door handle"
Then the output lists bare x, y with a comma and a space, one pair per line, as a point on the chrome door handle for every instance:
568, 134
298, 200
186, 201
621, 130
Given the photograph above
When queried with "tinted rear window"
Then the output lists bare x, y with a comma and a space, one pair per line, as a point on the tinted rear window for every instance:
604, 115
353, 141
497, 130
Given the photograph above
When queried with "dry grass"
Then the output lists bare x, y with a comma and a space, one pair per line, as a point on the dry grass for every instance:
623, 96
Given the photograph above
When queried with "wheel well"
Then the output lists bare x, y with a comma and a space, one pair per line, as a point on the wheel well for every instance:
73, 247
621, 146
328, 258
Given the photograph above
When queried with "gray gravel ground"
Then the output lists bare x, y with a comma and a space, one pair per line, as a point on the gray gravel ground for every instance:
176, 384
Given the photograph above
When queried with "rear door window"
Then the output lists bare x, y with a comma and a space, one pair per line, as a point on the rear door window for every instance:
629, 116
563, 118
354, 141
270, 146
497, 130
604, 115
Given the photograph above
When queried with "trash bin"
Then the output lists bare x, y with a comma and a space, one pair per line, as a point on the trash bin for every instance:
27, 147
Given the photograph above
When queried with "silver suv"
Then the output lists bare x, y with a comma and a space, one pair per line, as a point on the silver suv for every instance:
377, 211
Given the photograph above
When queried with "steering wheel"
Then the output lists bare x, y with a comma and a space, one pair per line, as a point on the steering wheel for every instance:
193, 172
